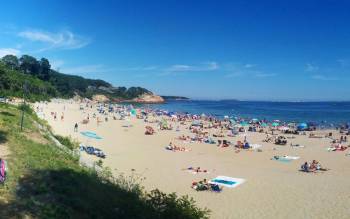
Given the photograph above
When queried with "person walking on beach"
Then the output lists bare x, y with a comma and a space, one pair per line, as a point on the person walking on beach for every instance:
76, 127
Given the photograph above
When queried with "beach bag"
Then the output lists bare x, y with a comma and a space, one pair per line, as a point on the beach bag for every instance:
2, 171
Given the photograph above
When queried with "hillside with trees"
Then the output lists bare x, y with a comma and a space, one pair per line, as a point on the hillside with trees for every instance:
36, 78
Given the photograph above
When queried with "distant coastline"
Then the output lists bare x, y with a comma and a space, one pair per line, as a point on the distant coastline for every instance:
175, 98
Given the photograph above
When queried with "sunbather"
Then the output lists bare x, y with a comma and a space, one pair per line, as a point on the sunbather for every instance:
201, 185
305, 167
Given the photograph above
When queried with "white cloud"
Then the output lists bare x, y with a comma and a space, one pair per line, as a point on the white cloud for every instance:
9, 51
311, 68
264, 75
60, 40
233, 75
344, 62
213, 65
324, 78
207, 66
181, 68
149, 68
249, 65
56, 63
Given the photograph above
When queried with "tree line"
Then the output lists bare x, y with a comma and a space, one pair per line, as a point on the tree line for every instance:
64, 85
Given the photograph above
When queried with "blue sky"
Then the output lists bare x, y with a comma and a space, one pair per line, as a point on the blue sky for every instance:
252, 50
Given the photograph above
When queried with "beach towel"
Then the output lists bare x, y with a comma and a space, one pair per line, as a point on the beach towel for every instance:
227, 181
336, 149
297, 146
285, 158
255, 146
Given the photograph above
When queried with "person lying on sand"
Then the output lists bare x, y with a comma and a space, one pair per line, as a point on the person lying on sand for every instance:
204, 185
175, 148
170, 146
239, 145
183, 138
201, 185
196, 170
149, 130
223, 143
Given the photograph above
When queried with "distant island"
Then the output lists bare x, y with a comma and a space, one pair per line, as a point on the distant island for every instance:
174, 98
35, 80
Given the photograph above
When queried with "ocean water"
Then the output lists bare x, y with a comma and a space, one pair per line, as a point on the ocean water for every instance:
319, 112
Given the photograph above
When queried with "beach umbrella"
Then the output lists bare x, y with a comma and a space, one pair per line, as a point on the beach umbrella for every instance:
302, 126
263, 125
133, 112
275, 124
91, 135
232, 121
255, 120
244, 123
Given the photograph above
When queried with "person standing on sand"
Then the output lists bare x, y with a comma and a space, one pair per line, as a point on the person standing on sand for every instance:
76, 127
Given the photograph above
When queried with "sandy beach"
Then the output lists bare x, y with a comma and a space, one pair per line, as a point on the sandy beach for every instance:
272, 189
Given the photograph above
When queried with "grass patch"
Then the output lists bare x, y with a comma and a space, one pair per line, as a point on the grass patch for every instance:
67, 141
44, 182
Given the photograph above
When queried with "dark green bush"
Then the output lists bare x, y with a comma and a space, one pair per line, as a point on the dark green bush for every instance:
67, 141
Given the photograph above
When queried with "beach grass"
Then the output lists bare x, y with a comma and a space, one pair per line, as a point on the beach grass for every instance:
45, 182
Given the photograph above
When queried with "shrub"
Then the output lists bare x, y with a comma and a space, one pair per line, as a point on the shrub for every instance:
67, 141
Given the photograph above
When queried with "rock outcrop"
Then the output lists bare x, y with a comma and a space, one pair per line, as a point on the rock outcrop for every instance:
148, 98
100, 98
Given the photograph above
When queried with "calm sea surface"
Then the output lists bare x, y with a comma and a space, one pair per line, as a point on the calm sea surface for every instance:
320, 112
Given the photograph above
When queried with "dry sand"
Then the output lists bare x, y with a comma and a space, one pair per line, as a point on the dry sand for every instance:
272, 189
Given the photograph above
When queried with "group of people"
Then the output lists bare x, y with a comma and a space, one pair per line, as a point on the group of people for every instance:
343, 139
204, 185
313, 166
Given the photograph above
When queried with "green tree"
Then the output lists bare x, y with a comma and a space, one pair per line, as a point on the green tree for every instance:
44, 69
11, 61
29, 65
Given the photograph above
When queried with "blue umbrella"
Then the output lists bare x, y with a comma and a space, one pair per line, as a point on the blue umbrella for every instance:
91, 135
302, 126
